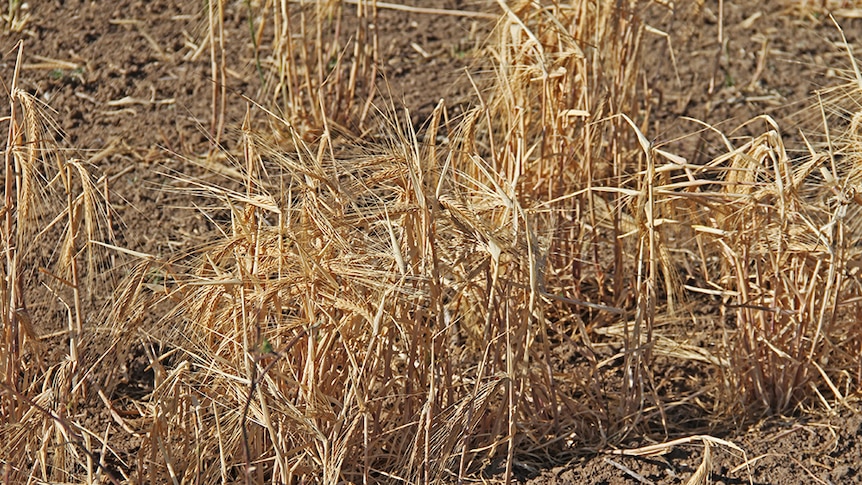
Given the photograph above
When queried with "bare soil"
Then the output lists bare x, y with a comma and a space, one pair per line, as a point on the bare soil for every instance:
132, 94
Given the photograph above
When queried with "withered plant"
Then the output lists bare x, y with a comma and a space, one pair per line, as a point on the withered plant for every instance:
389, 311
415, 308
46, 196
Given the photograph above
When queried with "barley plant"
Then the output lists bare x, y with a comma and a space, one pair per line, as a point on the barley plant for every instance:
408, 307
48, 197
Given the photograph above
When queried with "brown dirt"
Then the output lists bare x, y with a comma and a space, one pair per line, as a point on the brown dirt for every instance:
772, 60
135, 100
780, 450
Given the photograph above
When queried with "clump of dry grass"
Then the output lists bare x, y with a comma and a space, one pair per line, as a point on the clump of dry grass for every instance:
328, 297
784, 271
390, 311
323, 63
38, 393
415, 311
584, 178
777, 253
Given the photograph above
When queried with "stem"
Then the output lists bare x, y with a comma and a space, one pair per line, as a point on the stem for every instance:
13, 283
78, 330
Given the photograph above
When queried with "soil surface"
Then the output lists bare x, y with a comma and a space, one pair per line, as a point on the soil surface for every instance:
779, 450
131, 89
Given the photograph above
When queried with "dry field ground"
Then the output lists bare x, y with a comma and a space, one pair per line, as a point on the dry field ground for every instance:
453, 241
